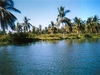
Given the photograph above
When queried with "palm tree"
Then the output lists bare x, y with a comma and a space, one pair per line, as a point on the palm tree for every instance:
33, 29
19, 27
6, 17
62, 12
78, 25
26, 24
40, 29
96, 23
46, 30
68, 25
89, 25
53, 28
49, 28
61, 16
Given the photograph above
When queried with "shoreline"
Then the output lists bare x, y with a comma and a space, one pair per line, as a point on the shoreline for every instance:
7, 39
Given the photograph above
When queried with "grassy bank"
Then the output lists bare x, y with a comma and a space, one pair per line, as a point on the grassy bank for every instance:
29, 37
66, 36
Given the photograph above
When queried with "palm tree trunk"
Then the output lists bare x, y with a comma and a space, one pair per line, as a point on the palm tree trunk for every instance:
3, 26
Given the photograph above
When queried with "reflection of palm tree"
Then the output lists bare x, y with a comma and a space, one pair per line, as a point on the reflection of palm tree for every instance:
26, 24
6, 17
69, 41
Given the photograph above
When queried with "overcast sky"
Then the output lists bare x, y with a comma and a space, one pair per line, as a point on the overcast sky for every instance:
44, 11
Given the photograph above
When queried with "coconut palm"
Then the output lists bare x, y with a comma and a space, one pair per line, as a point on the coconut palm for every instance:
46, 30
26, 24
96, 23
61, 17
33, 29
78, 25
89, 25
40, 29
62, 12
6, 17
53, 28
19, 27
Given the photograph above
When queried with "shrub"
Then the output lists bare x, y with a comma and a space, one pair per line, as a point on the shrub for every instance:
87, 35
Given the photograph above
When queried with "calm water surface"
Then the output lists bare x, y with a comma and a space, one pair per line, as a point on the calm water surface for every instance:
64, 57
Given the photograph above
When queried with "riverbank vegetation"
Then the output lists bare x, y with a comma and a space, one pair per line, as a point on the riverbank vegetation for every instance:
16, 38
64, 28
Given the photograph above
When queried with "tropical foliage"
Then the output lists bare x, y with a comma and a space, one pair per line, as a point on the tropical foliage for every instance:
6, 17
63, 28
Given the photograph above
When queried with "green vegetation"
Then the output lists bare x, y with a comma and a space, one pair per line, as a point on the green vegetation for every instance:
6, 17
30, 37
64, 28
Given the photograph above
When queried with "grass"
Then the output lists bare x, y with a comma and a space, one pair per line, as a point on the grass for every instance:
29, 37
66, 36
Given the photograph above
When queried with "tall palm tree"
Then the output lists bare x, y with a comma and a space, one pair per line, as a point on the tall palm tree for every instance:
78, 25
53, 27
89, 25
68, 25
61, 16
33, 29
46, 30
96, 23
40, 28
26, 24
19, 27
62, 12
6, 17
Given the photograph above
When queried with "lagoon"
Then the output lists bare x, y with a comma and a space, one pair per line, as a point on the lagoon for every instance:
58, 57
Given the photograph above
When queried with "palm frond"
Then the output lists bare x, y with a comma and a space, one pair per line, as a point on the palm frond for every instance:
30, 24
67, 11
9, 2
58, 10
12, 8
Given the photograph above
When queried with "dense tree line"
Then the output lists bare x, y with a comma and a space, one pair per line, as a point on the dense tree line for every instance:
63, 25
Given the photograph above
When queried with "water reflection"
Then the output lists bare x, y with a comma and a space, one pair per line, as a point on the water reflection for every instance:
80, 41
63, 57
6, 62
52, 41
92, 40
69, 41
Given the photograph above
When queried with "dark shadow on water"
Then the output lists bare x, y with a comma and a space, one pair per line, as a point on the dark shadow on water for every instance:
6, 67
80, 41
52, 41
68, 41
24, 43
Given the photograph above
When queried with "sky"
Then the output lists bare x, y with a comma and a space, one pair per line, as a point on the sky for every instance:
42, 12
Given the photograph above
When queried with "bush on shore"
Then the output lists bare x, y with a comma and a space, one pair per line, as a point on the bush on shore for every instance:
12, 38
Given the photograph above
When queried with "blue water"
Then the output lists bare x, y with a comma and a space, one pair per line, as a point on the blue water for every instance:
63, 57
